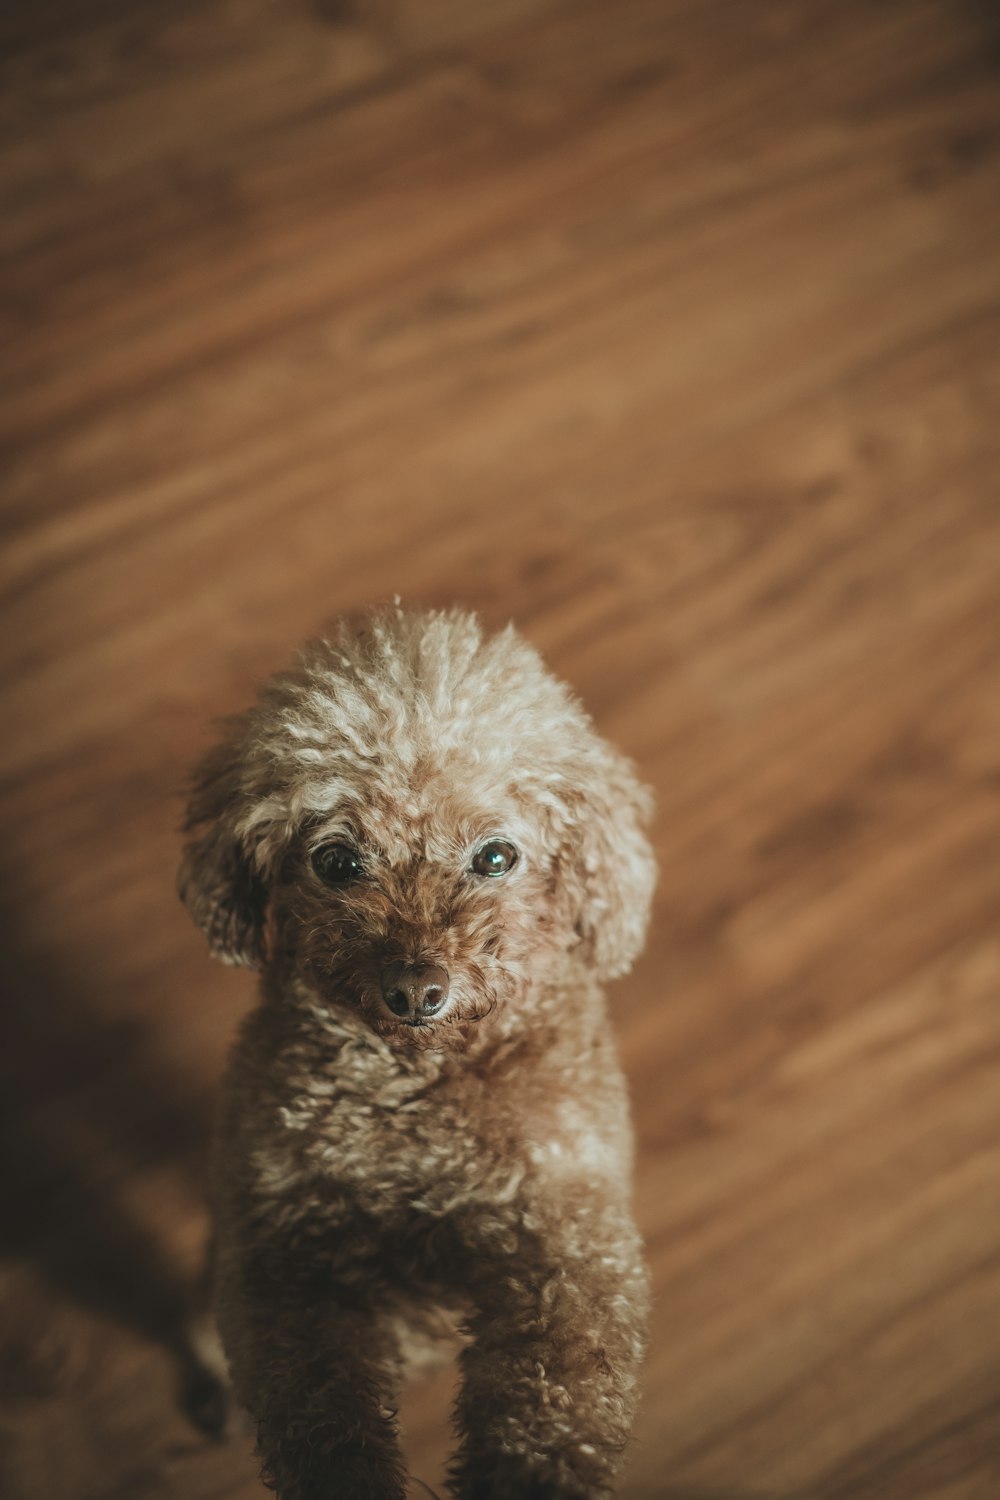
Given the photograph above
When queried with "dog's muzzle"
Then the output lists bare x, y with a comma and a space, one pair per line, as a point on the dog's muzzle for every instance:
414, 993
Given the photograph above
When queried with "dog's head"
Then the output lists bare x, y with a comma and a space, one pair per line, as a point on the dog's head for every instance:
415, 821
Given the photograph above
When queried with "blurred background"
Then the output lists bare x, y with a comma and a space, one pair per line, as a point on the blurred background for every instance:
670, 329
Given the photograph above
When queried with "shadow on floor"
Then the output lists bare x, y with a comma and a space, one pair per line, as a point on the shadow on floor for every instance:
84, 1102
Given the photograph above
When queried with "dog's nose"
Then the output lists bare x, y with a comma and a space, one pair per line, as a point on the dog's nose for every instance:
414, 992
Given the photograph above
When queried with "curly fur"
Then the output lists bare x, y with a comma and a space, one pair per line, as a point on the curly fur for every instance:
376, 1181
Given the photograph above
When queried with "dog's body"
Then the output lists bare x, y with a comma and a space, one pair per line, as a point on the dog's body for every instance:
419, 838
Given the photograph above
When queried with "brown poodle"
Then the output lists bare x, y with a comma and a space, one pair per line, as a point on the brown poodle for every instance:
419, 839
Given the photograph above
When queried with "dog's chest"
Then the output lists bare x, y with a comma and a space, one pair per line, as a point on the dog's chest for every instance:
435, 1140
386, 1143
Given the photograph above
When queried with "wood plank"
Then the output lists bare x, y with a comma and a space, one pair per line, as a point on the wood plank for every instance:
671, 331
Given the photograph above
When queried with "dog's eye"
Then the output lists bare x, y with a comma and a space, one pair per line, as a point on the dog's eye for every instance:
494, 858
336, 864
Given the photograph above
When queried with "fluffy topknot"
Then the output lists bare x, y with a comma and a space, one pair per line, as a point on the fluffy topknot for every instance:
416, 714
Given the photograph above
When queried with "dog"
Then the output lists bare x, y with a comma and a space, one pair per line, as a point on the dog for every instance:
420, 841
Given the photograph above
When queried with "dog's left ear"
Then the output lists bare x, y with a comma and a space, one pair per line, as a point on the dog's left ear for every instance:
608, 862
219, 880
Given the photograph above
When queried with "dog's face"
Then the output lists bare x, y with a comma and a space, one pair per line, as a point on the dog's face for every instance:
419, 825
423, 904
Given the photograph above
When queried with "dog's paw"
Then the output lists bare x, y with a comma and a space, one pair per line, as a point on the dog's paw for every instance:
317, 1469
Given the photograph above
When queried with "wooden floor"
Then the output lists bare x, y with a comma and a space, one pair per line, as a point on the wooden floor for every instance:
670, 328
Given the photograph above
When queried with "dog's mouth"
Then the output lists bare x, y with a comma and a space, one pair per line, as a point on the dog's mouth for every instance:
417, 1023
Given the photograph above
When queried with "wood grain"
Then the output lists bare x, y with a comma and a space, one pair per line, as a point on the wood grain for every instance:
671, 330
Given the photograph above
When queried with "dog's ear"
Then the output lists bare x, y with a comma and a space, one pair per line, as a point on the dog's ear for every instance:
608, 863
219, 881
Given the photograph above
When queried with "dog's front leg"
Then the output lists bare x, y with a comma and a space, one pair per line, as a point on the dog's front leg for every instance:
550, 1382
318, 1377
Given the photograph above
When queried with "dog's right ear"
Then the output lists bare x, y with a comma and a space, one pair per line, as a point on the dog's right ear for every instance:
218, 881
